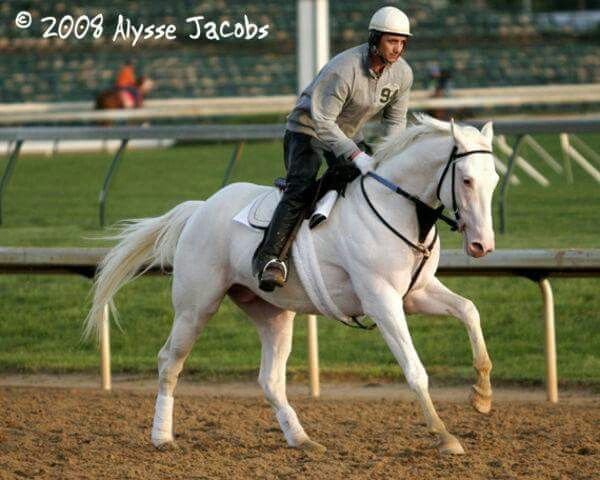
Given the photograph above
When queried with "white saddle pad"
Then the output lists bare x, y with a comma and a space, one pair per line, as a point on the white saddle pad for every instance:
257, 215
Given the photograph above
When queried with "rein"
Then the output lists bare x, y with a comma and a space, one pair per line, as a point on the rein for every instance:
427, 215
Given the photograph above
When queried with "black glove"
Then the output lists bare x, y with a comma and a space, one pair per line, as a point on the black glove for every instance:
338, 176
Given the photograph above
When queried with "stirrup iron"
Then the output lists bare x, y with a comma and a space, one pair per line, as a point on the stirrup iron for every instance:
279, 264
269, 284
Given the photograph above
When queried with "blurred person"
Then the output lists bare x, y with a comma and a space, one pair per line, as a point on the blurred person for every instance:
441, 84
128, 90
433, 71
444, 86
439, 80
326, 122
127, 86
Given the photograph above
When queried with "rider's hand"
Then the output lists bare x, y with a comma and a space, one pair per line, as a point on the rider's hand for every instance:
363, 162
338, 176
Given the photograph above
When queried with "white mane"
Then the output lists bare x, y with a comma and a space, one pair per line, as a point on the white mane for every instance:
393, 144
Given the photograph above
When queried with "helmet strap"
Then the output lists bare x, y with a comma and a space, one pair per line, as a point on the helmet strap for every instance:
374, 41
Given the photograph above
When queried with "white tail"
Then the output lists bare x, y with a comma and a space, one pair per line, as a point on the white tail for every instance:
144, 242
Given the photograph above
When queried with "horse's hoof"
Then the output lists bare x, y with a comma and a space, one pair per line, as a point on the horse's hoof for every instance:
482, 403
312, 446
165, 445
449, 445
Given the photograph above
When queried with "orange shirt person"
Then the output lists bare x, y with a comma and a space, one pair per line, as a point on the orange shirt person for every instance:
126, 76
127, 88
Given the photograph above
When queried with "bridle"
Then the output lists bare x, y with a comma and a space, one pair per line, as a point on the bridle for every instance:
427, 217
454, 157
438, 212
426, 214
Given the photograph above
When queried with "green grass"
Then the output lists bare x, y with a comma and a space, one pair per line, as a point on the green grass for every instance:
53, 202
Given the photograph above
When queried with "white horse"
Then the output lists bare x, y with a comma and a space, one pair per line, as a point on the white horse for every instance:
366, 267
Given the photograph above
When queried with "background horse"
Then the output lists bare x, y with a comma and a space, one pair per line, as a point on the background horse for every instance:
114, 99
367, 269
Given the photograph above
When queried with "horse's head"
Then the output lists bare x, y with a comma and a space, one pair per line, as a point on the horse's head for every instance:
419, 159
145, 84
466, 186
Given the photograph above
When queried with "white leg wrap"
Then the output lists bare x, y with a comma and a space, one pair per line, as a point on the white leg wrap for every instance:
162, 428
292, 430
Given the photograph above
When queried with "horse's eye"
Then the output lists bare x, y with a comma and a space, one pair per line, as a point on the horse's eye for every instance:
467, 182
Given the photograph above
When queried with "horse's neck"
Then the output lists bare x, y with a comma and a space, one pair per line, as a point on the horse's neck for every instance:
416, 168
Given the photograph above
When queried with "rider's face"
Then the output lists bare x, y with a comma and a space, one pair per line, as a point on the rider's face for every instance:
391, 46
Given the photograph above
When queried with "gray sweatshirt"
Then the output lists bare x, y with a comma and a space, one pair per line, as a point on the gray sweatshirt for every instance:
345, 95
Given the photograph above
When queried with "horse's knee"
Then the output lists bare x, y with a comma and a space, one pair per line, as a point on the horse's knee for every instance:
469, 313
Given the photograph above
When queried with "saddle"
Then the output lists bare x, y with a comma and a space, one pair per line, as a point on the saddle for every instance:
262, 208
320, 199
259, 212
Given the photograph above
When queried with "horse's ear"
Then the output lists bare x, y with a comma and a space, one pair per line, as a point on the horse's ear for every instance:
457, 134
488, 131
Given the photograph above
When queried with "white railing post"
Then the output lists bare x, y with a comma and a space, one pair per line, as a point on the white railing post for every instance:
550, 341
105, 350
543, 154
313, 357
564, 145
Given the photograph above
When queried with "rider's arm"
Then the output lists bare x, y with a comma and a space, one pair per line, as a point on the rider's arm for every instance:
327, 101
394, 114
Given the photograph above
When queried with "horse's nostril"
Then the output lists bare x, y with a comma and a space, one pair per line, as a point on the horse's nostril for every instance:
477, 247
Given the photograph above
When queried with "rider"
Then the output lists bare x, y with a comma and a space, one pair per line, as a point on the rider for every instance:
327, 121
128, 87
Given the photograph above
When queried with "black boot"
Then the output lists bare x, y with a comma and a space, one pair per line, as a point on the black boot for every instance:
268, 261
302, 165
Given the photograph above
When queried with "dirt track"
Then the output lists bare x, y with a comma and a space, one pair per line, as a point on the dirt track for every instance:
83, 433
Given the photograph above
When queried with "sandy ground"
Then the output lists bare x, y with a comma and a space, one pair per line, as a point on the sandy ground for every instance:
229, 431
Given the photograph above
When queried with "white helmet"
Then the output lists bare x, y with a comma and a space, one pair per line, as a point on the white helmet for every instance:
390, 20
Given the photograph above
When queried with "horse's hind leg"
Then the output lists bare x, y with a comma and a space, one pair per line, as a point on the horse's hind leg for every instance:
437, 299
193, 308
275, 327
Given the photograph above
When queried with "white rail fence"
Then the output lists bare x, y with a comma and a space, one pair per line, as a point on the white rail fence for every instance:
520, 128
179, 108
537, 265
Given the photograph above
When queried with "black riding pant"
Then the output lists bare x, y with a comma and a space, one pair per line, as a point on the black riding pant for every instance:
302, 162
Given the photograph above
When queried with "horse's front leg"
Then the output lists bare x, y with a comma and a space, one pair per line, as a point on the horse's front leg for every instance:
384, 305
436, 299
